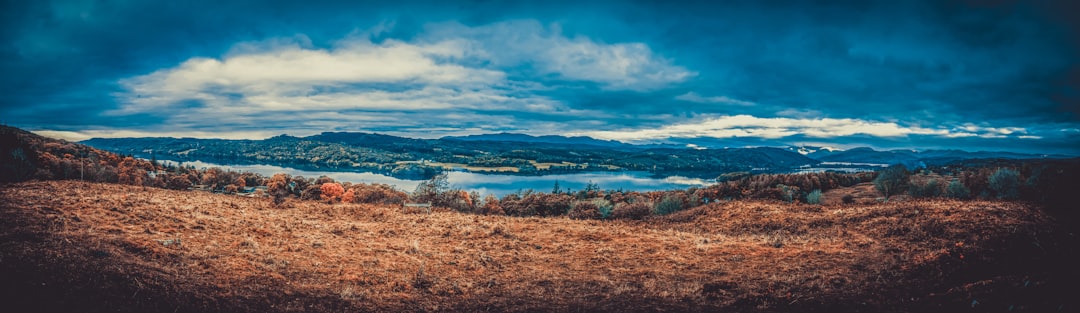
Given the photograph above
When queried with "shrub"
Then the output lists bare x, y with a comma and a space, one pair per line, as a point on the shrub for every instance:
957, 190
930, 189
377, 193
536, 204
331, 191
604, 206
891, 181
670, 204
178, 182
278, 187
631, 211
1005, 183
313, 192
787, 193
491, 206
814, 197
349, 196
848, 199
583, 210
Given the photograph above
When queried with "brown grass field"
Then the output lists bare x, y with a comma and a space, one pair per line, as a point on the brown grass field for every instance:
71, 247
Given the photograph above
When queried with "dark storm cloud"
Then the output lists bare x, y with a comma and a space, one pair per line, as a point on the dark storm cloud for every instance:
930, 68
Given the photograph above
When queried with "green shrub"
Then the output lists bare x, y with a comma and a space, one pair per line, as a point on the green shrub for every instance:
957, 190
814, 197
1005, 183
930, 189
670, 204
604, 206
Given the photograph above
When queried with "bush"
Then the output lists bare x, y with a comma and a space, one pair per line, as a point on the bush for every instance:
377, 193
278, 187
604, 206
891, 181
848, 199
787, 193
1005, 183
585, 210
670, 204
331, 191
312, 192
930, 189
631, 211
957, 190
536, 204
491, 206
814, 197
178, 182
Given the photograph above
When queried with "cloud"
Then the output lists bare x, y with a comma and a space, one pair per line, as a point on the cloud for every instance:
289, 76
618, 66
741, 126
694, 97
440, 81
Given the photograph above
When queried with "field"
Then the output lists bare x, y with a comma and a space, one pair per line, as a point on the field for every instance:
73, 246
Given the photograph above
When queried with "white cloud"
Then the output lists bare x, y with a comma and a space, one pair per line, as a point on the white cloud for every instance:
278, 78
627, 66
695, 97
779, 127
438, 79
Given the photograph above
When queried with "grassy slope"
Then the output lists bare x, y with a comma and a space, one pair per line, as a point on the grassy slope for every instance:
103, 247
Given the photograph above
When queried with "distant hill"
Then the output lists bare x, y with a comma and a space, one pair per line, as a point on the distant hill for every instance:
912, 158
552, 139
420, 158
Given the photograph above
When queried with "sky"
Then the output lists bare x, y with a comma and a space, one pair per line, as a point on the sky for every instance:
972, 75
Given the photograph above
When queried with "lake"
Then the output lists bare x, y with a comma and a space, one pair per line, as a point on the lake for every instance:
484, 184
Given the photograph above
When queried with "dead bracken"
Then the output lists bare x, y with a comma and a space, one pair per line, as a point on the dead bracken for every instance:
107, 247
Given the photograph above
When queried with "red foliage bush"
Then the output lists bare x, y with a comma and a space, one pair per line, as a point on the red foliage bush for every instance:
331, 191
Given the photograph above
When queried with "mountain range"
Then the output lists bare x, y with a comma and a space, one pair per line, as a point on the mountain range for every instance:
513, 153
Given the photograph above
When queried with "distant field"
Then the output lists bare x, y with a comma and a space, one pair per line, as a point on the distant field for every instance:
100, 247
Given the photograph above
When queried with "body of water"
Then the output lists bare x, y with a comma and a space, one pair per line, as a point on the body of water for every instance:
484, 184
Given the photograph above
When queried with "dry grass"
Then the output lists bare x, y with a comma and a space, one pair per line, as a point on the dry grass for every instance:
109, 247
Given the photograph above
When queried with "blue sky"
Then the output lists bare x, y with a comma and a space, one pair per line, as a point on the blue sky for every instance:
975, 75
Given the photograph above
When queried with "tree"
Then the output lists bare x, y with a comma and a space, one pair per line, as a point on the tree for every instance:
892, 180
432, 190
1005, 183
